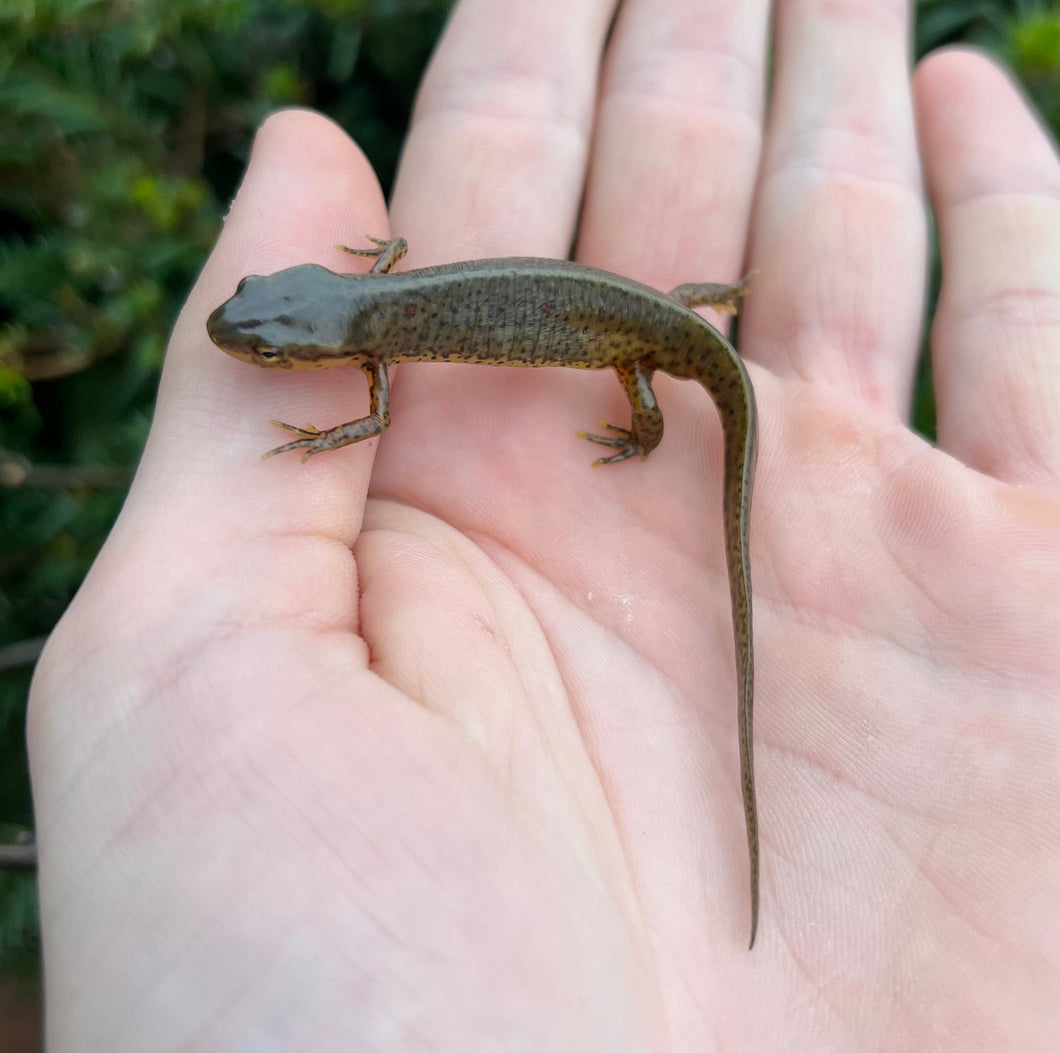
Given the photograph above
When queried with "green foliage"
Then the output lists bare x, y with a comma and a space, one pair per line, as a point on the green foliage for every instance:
1033, 49
19, 935
980, 22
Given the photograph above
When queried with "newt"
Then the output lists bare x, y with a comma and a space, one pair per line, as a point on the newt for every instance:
520, 312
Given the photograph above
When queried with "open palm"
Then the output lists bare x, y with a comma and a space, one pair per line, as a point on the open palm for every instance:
430, 744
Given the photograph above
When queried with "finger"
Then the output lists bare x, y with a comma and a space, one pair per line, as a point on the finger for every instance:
307, 188
840, 232
677, 141
995, 184
493, 165
495, 156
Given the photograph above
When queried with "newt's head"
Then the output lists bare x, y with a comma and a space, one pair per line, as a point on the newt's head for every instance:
297, 318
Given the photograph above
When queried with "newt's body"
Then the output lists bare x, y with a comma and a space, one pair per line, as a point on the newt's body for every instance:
519, 312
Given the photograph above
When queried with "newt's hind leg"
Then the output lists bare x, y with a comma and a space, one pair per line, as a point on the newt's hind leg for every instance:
646, 427
386, 253
706, 294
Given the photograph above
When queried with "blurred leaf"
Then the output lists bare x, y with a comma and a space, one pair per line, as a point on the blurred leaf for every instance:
1034, 53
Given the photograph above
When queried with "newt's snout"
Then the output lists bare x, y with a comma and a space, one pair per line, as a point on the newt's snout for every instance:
241, 339
227, 336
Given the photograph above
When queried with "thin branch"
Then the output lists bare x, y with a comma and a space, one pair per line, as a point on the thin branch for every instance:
21, 856
16, 471
25, 652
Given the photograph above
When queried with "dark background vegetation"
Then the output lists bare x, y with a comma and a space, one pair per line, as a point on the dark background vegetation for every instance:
124, 128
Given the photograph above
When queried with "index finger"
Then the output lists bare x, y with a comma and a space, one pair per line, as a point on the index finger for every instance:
495, 157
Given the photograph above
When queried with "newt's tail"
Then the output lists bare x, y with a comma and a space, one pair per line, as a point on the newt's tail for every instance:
739, 418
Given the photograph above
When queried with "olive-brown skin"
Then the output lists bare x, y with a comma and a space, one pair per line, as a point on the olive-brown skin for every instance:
519, 312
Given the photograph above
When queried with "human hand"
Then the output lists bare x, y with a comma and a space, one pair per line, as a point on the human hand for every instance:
429, 744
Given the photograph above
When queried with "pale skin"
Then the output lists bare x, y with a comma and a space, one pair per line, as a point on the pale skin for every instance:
429, 744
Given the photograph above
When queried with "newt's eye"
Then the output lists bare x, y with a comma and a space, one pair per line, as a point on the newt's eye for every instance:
269, 356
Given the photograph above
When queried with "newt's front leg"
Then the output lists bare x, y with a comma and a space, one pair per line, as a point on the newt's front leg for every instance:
386, 253
312, 440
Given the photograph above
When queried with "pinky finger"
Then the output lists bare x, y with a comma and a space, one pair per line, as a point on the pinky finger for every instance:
994, 180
